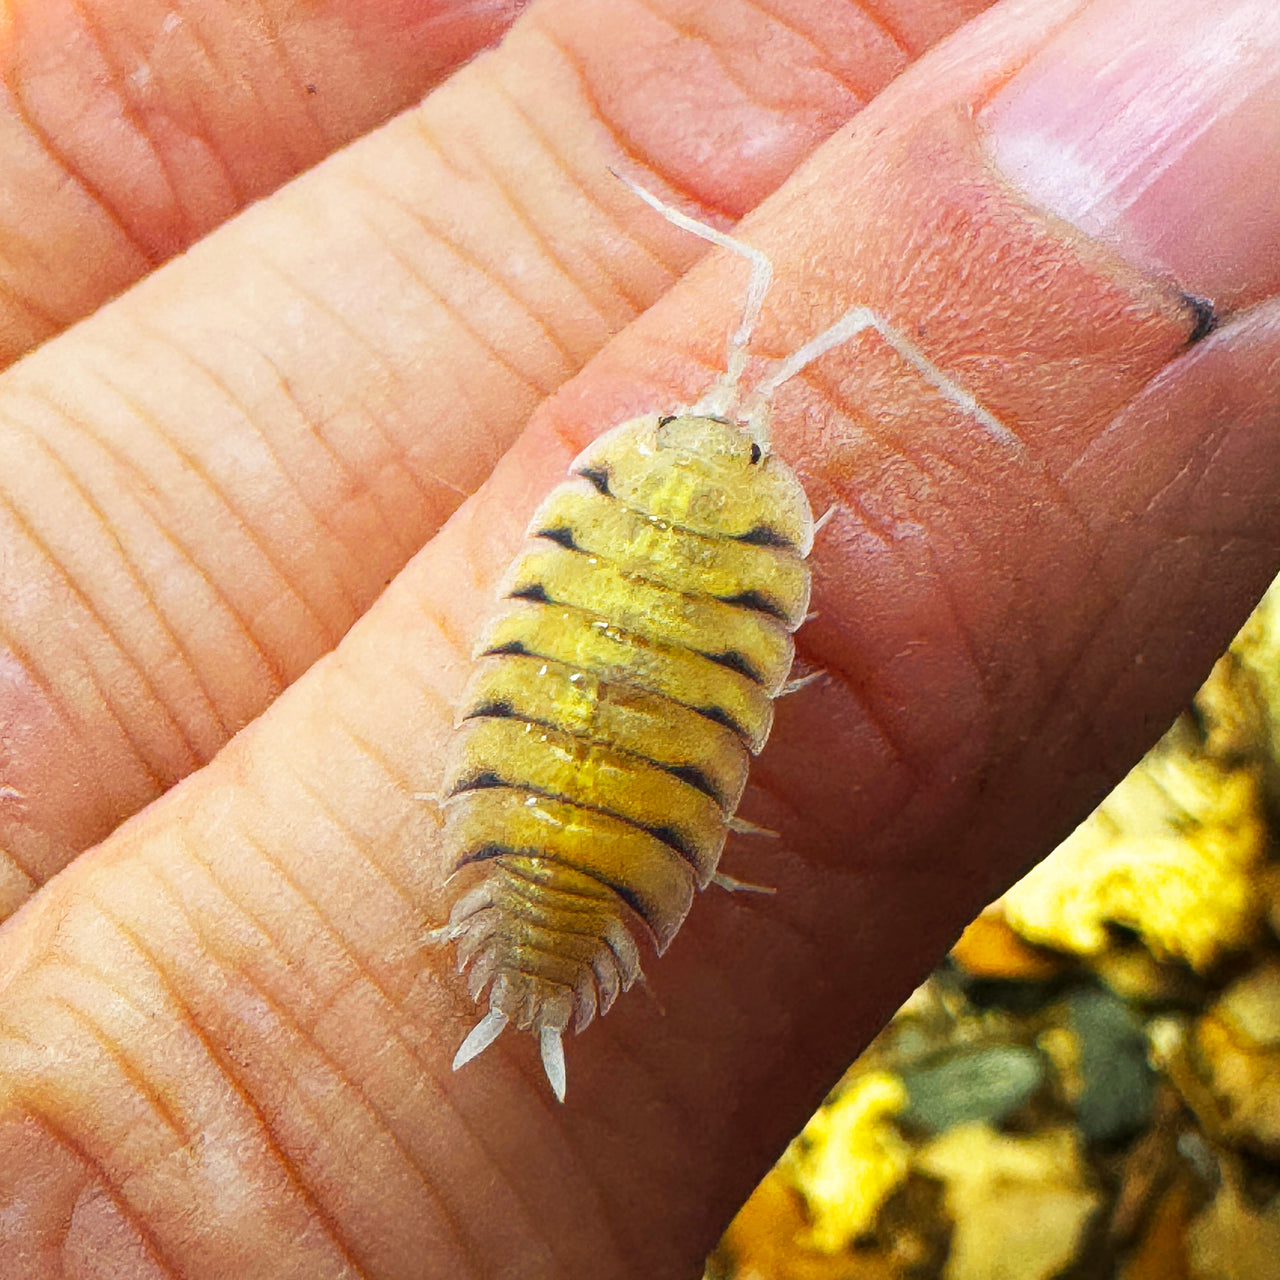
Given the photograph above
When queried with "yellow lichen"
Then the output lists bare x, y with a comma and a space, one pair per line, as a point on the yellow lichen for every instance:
1169, 854
848, 1159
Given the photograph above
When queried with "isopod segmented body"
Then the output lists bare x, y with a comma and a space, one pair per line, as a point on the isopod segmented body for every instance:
606, 731
620, 690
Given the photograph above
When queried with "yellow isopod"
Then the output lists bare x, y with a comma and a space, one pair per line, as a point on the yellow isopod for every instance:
619, 690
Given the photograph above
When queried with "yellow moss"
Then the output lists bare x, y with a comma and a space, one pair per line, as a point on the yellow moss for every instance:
1170, 854
848, 1159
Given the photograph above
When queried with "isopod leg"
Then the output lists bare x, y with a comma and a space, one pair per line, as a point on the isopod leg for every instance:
800, 682
733, 885
744, 828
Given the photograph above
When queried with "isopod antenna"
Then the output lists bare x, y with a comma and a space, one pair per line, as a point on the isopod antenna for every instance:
722, 398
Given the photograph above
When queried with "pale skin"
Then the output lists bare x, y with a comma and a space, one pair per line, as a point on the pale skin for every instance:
224, 1049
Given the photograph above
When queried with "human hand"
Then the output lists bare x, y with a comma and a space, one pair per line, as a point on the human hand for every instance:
224, 1050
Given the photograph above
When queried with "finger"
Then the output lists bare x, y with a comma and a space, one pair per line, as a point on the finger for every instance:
129, 130
265, 917
210, 480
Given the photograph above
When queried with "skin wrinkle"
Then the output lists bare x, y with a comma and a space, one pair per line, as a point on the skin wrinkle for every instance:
356, 846
330, 634
280, 50
96, 197
849, 501
1059, 693
322, 308
300, 159
743, 86
31, 672
379, 758
220, 1062
273, 666
561, 162
1058, 492
353, 480
860, 93
946, 593
365, 975
1213, 443
690, 34
134, 576
394, 452
602, 263
115, 86
457, 317
10, 296
626, 148
1066, 690
883, 25
449, 631
498, 181
353, 607
269, 665
224, 729
454, 314
859, 691
86, 669
103, 1186
193, 103
127, 1068
204, 134
614, 1213
892, 447
361, 975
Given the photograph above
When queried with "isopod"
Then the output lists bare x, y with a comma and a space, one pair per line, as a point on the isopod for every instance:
621, 687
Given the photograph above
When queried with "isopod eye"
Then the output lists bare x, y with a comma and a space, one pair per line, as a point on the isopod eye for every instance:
670, 417
598, 477
756, 453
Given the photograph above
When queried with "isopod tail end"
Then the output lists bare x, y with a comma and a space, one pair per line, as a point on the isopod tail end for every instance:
553, 1059
480, 1037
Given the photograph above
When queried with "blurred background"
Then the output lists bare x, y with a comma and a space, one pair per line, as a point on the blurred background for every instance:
1090, 1086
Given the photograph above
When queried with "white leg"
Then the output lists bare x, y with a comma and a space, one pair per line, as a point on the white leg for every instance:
824, 519
745, 828
800, 682
733, 885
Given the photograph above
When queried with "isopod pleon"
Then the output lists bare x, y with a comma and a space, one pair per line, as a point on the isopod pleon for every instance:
620, 688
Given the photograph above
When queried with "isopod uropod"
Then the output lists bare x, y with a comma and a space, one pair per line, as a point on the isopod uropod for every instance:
604, 736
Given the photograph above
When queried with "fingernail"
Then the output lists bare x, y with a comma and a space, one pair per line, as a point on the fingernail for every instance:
1154, 126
